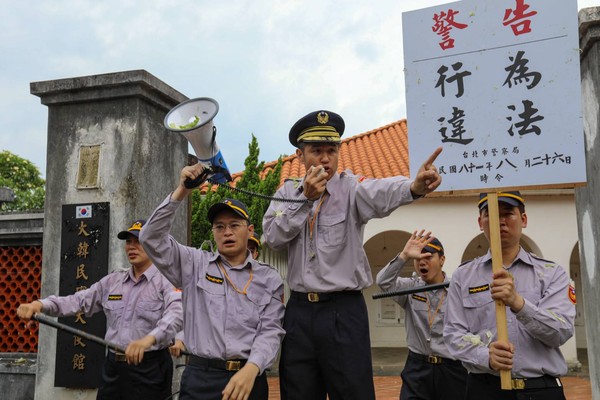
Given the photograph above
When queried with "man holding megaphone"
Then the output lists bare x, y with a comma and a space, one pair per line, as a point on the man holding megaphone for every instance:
178, 347
233, 308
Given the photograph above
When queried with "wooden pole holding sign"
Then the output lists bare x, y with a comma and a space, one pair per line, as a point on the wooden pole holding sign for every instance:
497, 265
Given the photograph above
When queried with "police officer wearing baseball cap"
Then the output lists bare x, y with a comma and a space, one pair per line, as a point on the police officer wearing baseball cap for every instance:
327, 265
254, 248
512, 198
430, 371
143, 312
540, 317
233, 303
254, 245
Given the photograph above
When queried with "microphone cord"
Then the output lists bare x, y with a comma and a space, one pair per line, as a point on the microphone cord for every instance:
258, 195
216, 169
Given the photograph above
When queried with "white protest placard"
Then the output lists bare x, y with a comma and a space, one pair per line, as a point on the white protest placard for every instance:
496, 83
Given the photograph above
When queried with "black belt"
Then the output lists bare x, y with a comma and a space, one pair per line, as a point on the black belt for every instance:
225, 365
432, 359
544, 381
148, 355
315, 297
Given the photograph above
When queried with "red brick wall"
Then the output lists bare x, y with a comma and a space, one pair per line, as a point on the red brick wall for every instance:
20, 282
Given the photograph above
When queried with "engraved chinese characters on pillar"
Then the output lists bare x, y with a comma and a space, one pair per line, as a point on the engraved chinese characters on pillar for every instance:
79, 361
84, 261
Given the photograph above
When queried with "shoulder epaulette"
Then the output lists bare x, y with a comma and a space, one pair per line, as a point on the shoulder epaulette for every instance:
467, 262
473, 260
549, 263
345, 174
294, 181
266, 265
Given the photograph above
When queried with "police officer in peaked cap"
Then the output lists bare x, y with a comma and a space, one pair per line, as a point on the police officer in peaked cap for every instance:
326, 349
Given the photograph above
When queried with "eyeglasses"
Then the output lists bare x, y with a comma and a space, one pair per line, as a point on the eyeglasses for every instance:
221, 228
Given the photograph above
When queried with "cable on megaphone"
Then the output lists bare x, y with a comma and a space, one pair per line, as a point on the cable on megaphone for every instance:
260, 195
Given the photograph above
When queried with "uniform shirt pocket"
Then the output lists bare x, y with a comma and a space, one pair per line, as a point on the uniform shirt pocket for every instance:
332, 229
251, 310
212, 294
418, 305
480, 311
114, 312
150, 311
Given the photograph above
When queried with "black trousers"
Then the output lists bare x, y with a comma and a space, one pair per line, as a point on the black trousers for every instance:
422, 380
150, 380
326, 349
206, 383
485, 386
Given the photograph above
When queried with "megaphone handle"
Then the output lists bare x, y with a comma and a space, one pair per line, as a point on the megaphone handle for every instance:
191, 184
216, 169
194, 183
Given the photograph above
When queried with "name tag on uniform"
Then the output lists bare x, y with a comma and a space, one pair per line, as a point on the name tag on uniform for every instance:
113, 297
477, 289
419, 298
214, 279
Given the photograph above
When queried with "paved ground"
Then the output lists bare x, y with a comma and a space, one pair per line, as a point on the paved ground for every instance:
387, 364
388, 388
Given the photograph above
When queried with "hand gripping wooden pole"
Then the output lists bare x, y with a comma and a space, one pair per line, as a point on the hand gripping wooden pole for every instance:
497, 265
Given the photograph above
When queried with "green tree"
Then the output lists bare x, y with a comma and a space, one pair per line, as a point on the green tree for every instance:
250, 182
24, 178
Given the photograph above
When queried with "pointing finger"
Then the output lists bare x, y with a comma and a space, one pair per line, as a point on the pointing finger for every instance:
432, 158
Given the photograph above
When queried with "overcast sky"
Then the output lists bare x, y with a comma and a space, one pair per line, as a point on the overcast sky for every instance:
266, 62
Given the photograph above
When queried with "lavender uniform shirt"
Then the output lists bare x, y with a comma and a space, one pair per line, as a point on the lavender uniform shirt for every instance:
220, 323
543, 324
134, 308
419, 308
332, 258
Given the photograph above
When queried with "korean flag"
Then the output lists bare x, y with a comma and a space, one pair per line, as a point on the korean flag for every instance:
83, 211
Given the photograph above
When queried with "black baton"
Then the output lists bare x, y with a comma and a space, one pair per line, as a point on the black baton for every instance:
44, 319
411, 290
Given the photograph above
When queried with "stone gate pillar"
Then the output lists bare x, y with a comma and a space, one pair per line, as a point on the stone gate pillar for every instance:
106, 143
588, 198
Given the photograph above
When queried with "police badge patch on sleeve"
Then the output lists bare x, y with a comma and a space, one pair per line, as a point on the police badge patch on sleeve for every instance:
572, 295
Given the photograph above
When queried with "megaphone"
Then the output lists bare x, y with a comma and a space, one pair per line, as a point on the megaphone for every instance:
193, 119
